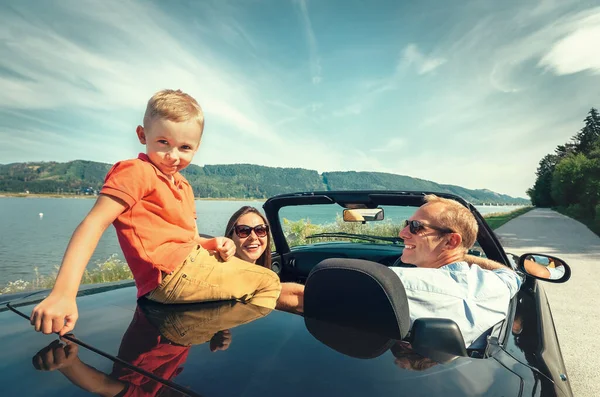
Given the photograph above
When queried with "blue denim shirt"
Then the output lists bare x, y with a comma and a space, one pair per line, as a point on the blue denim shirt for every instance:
476, 299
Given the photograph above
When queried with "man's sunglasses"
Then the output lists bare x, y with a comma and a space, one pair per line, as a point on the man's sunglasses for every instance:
244, 231
416, 226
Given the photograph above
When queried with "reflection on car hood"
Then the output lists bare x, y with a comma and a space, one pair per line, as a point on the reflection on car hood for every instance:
267, 351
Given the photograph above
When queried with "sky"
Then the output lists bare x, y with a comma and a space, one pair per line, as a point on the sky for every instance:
472, 93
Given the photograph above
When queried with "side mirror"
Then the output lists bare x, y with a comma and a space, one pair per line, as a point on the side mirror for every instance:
545, 267
363, 214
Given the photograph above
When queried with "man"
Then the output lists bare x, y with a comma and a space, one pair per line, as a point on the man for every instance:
443, 284
552, 270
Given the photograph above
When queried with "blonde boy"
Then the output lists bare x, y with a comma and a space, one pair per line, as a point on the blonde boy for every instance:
152, 208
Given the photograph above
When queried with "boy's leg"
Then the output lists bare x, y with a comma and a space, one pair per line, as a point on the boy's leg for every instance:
204, 277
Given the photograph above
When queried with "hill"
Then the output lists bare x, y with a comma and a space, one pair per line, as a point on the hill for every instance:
229, 181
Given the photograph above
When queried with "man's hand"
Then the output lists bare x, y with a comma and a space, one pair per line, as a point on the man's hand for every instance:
220, 341
291, 298
55, 314
225, 247
484, 263
56, 356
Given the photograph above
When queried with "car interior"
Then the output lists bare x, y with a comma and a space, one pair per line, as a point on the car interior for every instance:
374, 319
440, 338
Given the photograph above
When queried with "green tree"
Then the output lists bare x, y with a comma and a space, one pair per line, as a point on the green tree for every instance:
541, 194
586, 138
563, 151
569, 179
575, 182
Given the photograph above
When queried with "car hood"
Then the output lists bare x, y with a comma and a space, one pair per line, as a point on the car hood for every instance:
268, 351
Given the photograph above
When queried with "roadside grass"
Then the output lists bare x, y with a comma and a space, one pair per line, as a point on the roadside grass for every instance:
495, 220
296, 233
592, 222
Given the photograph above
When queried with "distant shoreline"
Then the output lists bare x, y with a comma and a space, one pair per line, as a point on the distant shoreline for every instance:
91, 196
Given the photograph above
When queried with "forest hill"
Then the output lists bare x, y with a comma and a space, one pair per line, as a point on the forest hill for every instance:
245, 181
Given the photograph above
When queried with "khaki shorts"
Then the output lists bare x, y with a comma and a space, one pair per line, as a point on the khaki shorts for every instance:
204, 277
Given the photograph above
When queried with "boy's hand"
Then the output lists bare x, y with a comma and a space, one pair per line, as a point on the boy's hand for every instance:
56, 356
220, 341
55, 314
225, 247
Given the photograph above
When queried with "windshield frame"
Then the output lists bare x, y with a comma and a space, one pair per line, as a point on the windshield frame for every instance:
486, 239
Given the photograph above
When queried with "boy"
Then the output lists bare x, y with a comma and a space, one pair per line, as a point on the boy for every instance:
152, 208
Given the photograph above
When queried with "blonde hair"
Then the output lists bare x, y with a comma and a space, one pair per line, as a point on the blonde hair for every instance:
173, 105
456, 217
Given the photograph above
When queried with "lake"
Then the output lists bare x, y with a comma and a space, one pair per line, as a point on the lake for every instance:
29, 240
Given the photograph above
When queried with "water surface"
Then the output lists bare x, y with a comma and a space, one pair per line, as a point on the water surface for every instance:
29, 240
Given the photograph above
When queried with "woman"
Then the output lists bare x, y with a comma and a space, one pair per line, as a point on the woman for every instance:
249, 230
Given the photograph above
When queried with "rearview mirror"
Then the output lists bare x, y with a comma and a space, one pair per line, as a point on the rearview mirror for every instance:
363, 214
545, 267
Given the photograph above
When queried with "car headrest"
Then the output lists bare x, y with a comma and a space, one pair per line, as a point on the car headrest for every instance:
357, 293
438, 338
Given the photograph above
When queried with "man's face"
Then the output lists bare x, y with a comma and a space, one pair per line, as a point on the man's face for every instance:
169, 145
425, 248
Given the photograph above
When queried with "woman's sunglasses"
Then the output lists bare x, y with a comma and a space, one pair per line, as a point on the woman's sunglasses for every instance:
244, 231
416, 226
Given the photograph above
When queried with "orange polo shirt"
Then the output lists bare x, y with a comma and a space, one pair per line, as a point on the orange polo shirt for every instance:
158, 229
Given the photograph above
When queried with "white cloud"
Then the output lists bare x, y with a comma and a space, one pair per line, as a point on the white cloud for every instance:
44, 144
500, 96
411, 55
491, 94
315, 60
350, 110
565, 46
60, 72
287, 114
575, 53
391, 146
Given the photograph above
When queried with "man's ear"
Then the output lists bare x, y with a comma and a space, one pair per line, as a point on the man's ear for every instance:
141, 134
454, 241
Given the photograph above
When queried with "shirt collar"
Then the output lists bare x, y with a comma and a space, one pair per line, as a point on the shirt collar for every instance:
455, 266
177, 176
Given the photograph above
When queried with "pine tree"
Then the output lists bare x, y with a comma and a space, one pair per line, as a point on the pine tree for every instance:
541, 194
585, 139
563, 151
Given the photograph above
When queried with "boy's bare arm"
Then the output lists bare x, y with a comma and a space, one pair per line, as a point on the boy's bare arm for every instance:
58, 312
223, 245
65, 359
207, 243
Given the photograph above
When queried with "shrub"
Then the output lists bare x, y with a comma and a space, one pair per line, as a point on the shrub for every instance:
112, 269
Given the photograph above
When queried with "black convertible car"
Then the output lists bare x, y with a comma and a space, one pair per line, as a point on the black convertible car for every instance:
332, 241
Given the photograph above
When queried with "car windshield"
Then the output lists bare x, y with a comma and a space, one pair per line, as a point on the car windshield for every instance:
310, 224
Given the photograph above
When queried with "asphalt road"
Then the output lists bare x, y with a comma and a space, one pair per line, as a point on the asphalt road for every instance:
575, 304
